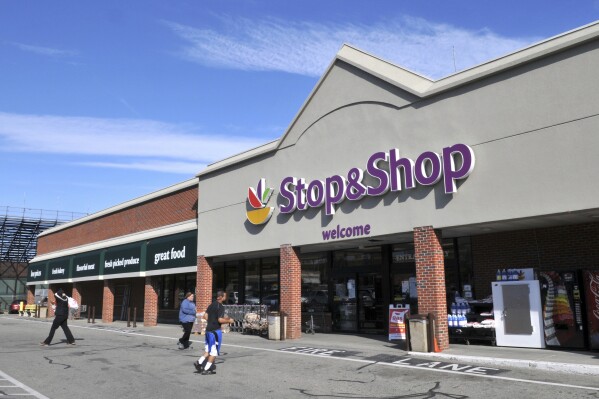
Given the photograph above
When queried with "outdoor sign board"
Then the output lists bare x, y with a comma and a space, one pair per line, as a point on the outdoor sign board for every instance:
172, 252
86, 265
59, 269
397, 322
124, 259
37, 271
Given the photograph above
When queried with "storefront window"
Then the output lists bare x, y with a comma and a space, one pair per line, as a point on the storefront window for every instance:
172, 289
315, 277
168, 290
358, 258
226, 277
252, 282
270, 283
231, 282
403, 276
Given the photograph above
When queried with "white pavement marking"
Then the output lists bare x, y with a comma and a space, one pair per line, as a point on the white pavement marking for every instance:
18, 384
349, 359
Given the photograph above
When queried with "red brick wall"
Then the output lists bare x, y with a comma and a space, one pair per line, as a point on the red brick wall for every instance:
151, 302
31, 295
203, 284
51, 300
555, 248
291, 290
108, 302
430, 277
172, 208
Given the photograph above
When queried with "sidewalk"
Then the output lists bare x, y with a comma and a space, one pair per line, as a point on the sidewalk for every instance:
562, 361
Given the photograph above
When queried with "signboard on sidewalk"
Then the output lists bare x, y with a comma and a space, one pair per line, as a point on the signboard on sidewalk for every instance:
397, 323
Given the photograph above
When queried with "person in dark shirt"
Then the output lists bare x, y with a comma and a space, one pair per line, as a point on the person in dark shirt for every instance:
60, 320
215, 316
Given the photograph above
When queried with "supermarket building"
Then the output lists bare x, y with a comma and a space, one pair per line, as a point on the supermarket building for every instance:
386, 188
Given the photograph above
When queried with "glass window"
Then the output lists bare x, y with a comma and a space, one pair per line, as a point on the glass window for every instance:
270, 282
358, 258
252, 282
315, 277
168, 292
231, 283
403, 276
218, 277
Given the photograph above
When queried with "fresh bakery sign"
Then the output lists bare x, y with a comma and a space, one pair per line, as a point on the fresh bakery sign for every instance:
384, 167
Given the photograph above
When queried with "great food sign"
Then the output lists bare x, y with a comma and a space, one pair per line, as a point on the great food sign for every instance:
453, 163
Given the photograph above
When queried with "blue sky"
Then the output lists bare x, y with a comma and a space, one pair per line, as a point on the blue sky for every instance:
104, 101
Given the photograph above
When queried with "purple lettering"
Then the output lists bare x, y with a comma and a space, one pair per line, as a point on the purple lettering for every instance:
355, 189
346, 232
334, 192
420, 173
381, 175
315, 193
395, 162
450, 173
300, 189
287, 194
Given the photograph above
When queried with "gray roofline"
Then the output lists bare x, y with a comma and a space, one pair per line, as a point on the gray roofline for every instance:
419, 85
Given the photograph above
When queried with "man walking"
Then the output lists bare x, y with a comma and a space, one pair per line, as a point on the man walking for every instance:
187, 316
60, 320
215, 316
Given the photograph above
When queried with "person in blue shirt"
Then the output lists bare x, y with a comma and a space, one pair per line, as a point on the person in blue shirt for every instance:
187, 316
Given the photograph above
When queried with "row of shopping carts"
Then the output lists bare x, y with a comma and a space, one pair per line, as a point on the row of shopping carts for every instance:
249, 319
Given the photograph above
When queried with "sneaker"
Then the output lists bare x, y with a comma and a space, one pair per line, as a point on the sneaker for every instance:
71, 343
43, 343
198, 366
180, 346
208, 372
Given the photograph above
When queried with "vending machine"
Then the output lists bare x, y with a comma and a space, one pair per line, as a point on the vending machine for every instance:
562, 309
591, 289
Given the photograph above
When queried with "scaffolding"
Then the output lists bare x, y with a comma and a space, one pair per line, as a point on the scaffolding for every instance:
19, 229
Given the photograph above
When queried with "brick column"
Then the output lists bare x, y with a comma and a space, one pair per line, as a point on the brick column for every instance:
77, 296
31, 295
291, 290
203, 283
51, 300
108, 302
430, 279
151, 302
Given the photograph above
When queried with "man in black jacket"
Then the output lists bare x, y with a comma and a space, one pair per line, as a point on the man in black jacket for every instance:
215, 316
61, 314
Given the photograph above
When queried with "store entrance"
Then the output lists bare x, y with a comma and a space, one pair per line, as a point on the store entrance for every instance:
370, 303
358, 303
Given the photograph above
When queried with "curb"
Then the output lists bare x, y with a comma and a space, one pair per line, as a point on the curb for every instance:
569, 368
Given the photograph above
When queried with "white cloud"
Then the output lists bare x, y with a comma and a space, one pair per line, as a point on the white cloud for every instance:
52, 52
187, 168
120, 143
307, 48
